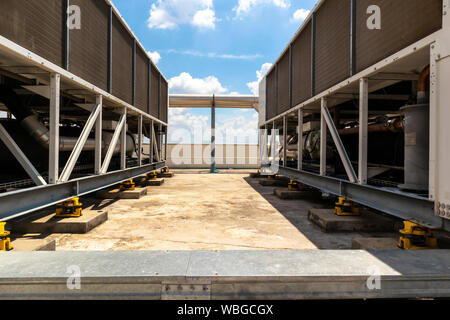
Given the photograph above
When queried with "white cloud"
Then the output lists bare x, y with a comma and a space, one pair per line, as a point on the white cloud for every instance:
254, 86
301, 14
205, 19
186, 126
168, 14
155, 56
244, 6
216, 55
186, 84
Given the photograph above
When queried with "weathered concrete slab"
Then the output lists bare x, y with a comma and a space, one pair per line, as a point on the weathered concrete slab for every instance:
153, 183
375, 244
25, 244
286, 194
224, 275
118, 194
366, 222
51, 224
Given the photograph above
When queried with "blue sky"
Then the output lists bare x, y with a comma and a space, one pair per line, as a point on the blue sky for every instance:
214, 46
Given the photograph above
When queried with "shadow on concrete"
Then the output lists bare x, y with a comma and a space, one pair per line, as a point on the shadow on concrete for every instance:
296, 212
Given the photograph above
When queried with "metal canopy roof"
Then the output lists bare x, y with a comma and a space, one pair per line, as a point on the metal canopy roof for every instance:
218, 101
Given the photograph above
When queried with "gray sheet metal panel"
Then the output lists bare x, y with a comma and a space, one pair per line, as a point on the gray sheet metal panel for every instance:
36, 25
164, 100
142, 85
122, 62
283, 84
332, 44
219, 275
154, 92
301, 67
89, 46
403, 22
271, 103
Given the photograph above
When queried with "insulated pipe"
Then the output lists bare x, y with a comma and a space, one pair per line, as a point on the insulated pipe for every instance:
423, 86
41, 134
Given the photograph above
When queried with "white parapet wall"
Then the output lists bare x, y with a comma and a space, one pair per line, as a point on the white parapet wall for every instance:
228, 156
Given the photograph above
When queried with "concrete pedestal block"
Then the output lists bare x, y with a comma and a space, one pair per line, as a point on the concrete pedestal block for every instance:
286, 194
51, 224
366, 222
118, 194
273, 183
154, 183
24, 244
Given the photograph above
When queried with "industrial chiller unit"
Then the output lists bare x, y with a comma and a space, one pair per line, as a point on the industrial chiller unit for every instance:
359, 104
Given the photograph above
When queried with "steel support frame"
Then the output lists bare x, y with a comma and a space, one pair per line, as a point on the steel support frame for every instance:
300, 141
113, 143
76, 152
404, 206
363, 129
53, 166
337, 141
9, 142
12, 204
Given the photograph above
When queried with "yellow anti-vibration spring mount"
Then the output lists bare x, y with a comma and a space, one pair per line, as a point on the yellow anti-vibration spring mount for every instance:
69, 209
416, 237
165, 170
294, 186
346, 207
152, 175
5, 241
128, 185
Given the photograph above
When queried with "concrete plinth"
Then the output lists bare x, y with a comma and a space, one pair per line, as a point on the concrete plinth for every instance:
286, 194
166, 175
24, 244
51, 224
366, 222
118, 194
375, 244
154, 183
273, 183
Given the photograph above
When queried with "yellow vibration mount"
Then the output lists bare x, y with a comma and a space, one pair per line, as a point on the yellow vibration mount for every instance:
294, 186
416, 237
165, 170
152, 175
5, 241
128, 185
346, 207
69, 209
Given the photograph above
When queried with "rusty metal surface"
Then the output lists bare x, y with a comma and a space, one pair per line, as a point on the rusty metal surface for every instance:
402, 23
271, 103
142, 85
154, 92
164, 100
332, 59
283, 84
122, 62
89, 45
301, 67
35, 25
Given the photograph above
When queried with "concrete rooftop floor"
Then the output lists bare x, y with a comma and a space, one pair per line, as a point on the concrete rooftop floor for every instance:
199, 211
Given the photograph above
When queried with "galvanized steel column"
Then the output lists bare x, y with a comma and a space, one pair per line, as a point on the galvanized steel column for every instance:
363, 129
53, 170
